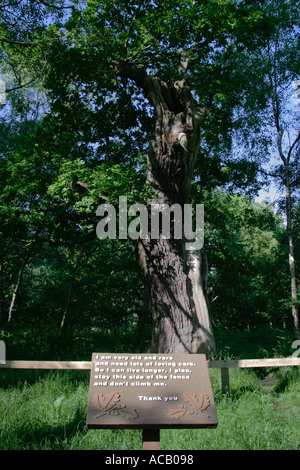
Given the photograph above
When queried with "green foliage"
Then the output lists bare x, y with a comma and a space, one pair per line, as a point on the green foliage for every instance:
248, 271
106, 304
262, 342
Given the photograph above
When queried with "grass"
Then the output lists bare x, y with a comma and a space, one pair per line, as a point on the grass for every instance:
42, 410
251, 419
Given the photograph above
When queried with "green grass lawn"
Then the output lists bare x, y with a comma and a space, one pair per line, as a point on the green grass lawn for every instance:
42, 410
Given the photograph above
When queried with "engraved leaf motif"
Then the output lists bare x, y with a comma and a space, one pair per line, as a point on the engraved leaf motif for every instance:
198, 403
179, 413
128, 413
195, 405
110, 404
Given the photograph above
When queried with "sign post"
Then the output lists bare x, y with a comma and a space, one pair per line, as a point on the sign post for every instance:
151, 439
150, 392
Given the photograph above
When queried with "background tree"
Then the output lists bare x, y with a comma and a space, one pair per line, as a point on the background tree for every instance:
247, 279
273, 129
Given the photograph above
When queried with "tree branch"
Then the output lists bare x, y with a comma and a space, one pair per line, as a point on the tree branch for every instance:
135, 16
292, 147
279, 145
21, 86
134, 72
47, 4
266, 173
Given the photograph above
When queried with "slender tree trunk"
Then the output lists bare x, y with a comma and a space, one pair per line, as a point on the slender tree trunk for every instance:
173, 274
142, 320
1, 289
69, 298
17, 288
292, 264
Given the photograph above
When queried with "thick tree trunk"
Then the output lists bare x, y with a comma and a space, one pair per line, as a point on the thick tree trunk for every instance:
179, 308
174, 275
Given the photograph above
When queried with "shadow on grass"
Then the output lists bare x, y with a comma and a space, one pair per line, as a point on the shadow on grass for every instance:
33, 435
238, 392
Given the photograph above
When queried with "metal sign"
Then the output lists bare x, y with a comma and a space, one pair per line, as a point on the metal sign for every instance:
150, 391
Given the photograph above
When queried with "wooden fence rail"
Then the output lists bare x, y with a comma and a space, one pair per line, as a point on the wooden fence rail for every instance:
77, 365
249, 363
224, 365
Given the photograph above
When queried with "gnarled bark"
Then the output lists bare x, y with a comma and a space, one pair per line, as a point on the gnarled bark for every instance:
174, 275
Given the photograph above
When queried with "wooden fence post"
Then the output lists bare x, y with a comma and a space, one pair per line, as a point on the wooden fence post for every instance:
225, 381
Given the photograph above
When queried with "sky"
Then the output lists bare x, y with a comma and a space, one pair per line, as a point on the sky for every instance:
270, 195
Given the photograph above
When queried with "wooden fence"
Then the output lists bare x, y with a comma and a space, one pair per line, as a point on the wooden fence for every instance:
247, 364
224, 365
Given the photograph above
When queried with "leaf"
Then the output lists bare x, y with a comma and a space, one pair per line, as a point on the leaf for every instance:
108, 402
128, 413
192, 399
179, 413
205, 402
195, 405
198, 404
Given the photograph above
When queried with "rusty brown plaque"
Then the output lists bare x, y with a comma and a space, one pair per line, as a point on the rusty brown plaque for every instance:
150, 391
